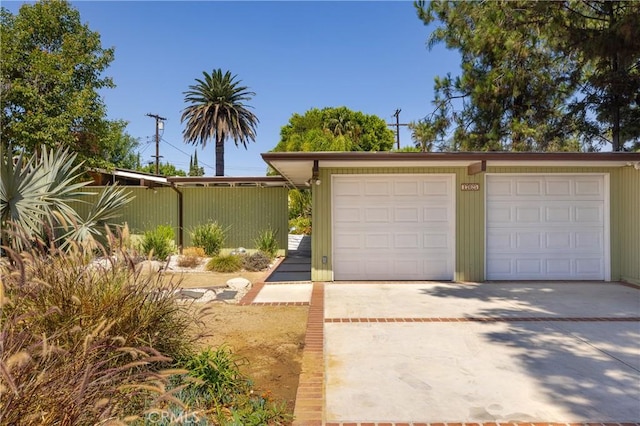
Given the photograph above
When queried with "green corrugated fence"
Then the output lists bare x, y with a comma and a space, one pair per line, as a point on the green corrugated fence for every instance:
243, 211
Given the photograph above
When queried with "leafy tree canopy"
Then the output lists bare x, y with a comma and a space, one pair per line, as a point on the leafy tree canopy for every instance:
50, 73
537, 76
335, 129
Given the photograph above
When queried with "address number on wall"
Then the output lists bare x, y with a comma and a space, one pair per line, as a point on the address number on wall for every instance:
470, 187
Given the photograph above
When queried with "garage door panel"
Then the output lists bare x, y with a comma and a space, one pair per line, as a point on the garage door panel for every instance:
406, 214
377, 241
436, 241
436, 214
376, 188
558, 214
589, 214
347, 189
589, 187
406, 241
406, 188
528, 187
377, 214
545, 227
437, 187
352, 241
347, 214
403, 228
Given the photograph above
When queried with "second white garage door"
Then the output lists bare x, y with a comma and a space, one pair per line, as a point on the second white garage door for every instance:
547, 227
393, 227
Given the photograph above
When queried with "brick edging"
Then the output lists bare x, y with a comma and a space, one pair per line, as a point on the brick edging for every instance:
309, 406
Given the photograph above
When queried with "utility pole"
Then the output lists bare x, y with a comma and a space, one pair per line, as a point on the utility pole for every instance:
159, 121
397, 124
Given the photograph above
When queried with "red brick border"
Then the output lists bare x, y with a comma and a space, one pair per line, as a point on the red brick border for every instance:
280, 303
487, 319
309, 408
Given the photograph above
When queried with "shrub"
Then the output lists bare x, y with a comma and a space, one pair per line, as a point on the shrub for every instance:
300, 225
210, 237
230, 263
191, 257
256, 262
267, 242
84, 341
214, 380
158, 242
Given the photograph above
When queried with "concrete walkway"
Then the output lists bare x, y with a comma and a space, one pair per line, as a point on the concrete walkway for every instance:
434, 353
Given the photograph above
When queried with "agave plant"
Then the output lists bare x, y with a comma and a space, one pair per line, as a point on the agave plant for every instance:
36, 197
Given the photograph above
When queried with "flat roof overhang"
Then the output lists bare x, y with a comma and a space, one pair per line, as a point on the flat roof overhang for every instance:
297, 167
216, 181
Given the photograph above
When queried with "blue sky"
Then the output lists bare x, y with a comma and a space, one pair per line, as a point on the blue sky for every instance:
365, 55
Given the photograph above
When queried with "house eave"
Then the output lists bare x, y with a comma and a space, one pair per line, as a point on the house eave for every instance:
297, 167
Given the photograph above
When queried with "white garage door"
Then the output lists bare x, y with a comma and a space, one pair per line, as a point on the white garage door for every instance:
547, 227
393, 227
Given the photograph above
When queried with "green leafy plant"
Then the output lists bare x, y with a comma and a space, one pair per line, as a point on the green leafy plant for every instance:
84, 340
214, 381
256, 262
210, 237
158, 242
300, 225
267, 242
228, 263
36, 197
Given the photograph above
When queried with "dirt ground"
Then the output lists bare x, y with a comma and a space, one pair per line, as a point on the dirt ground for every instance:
269, 338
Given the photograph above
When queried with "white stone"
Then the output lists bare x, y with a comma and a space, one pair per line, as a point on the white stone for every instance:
238, 283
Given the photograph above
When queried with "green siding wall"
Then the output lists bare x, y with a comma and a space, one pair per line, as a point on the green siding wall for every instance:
628, 215
470, 217
244, 211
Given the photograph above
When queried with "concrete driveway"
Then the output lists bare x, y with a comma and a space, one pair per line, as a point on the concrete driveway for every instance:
402, 353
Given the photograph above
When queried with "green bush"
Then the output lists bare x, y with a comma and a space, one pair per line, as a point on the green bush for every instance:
256, 262
229, 263
83, 341
300, 225
158, 242
214, 382
267, 242
210, 237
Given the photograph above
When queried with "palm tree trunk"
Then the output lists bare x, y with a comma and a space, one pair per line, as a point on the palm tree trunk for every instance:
219, 155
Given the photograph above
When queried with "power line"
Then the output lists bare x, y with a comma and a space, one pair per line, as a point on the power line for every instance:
178, 149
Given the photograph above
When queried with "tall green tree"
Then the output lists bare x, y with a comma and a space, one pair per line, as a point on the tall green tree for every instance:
335, 129
120, 146
194, 167
513, 90
604, 37
217, 110
50, 74
538, 76
328, 129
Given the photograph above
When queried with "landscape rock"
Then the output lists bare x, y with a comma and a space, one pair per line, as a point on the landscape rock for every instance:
239, 283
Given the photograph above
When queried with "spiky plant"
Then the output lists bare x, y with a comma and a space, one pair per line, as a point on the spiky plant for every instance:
37, 194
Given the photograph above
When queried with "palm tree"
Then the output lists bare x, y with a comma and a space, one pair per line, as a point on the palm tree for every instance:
217, 111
